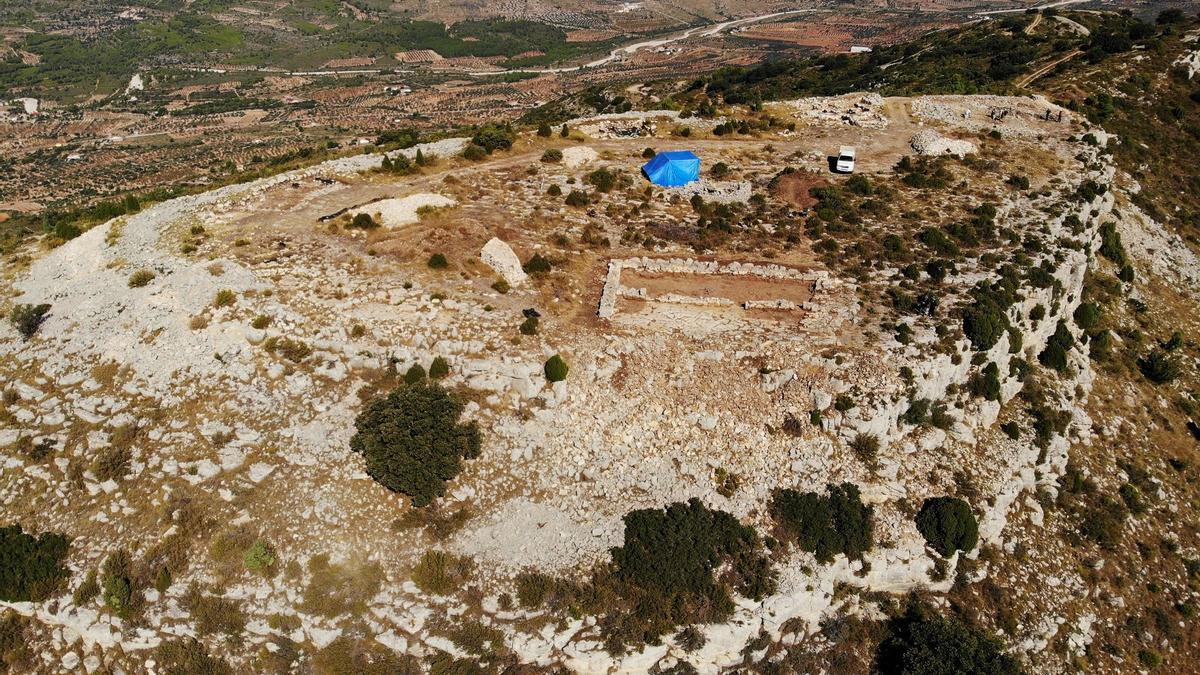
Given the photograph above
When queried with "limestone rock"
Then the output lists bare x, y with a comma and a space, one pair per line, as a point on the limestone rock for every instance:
500, 257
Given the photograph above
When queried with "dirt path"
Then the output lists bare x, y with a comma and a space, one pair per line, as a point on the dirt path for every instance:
1037, 20
1025, 81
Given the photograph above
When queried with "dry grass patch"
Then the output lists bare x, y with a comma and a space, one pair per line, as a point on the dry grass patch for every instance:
335, 590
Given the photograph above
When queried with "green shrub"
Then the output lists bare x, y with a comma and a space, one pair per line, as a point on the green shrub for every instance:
31, 567
412, 441
668, 560
1111, 246
1087, 315
648, 153
543, 130
925, 644
363, 221
577, 198
948, 525
1159, 367
983, 323
987, 383
474, 152
552, 155
27, 319
87, 590
602, 179
1012, 430
140, 278
556, 369
537, 265
554, 190
533, 589
501, 286
1055, 354
415, 374
825, 525
116, 580
439, 369
529, 326
438, 261
494, 137
352, 656
260, 557
917, 413
859, 185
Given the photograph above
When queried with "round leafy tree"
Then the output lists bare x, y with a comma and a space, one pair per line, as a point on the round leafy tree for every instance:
948, 525
556, 369
413, 442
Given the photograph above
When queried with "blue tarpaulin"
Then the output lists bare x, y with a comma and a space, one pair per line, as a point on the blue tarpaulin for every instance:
673, 168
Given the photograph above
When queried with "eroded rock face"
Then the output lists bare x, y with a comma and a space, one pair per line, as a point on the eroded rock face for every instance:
500, 257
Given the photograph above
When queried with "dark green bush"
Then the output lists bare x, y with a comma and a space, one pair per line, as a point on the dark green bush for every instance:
1111, 246
948, 525
415, 374
987, 383
30, 567
577, 198
1159, 367
552, 155
474, 152
27, 319
825, 525
556, 369
494, 137
438, 261
537, 265
412, 441
1087, 315
917, 413
1055, 354
439, 369
602, 179
665, 567
983, 324
363, 221
922, 643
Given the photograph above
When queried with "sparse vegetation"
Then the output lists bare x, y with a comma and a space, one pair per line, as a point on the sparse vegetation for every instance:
27, 319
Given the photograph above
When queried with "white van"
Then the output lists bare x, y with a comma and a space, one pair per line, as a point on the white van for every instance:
845, 160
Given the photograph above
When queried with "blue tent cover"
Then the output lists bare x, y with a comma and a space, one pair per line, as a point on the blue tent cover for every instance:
673, 168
